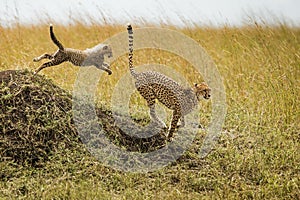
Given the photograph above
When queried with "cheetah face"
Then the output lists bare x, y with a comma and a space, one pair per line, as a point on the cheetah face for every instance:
106, 50
96, 57
202, 90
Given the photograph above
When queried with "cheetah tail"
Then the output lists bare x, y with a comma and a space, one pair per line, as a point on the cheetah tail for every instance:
130, 54
54, 39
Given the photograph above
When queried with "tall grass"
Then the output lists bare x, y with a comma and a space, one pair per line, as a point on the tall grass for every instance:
256, 157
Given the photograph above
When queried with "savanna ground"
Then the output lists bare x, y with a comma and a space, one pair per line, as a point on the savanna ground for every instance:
257, 156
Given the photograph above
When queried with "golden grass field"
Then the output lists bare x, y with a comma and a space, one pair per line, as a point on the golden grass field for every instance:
257, 156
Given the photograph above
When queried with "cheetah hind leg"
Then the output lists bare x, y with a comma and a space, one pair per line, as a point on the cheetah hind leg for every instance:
44, 56
47, 64
182, 122
175, 119
155, 118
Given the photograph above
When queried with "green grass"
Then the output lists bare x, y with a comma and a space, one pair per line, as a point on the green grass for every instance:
257, 157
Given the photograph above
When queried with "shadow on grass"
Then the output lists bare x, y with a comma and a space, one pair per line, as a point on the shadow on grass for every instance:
36, 121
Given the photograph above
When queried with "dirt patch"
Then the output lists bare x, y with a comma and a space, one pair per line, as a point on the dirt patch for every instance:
36, 121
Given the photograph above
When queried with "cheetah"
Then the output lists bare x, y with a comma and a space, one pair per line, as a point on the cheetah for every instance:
153, 85
88, 57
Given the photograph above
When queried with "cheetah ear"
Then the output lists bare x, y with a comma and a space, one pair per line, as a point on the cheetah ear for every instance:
105, 47
195, 84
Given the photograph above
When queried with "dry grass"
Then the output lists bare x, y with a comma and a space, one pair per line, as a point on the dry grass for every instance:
257, 157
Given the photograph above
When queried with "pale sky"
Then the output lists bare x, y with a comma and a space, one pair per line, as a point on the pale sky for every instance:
202, 12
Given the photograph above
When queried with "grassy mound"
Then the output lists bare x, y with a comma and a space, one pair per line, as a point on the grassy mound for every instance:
36, 120
36, 117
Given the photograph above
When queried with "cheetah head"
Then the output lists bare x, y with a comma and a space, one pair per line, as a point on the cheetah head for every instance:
106, 50
202, 90
95, 56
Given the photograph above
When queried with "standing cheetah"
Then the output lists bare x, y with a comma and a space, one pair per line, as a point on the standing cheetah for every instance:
153, 85
88, 57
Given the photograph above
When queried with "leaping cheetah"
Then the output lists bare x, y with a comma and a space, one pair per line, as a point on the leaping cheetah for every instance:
88, 57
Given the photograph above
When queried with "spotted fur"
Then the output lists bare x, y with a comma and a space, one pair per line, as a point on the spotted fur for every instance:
153, 85
88, 57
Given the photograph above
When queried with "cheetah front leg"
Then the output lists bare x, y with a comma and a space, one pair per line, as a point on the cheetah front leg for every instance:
105, 64
44, 56
175, 119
